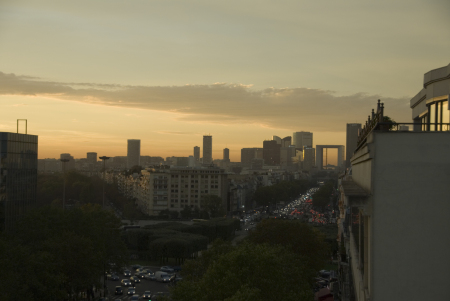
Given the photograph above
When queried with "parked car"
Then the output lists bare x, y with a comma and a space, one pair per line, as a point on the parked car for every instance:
118, 290
166, 269
176, 268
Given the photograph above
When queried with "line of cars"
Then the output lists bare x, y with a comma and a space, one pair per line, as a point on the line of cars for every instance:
166, 274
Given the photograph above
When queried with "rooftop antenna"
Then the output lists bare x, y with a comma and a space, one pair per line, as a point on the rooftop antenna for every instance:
26, 126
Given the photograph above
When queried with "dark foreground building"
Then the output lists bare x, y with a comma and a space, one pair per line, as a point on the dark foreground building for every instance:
18, 176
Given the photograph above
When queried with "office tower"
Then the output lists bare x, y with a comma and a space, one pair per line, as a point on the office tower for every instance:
196, 154
248, 154
271, 152
301, 139
133, 152
226, 155
277, 139
309, 158
286, 141
207, 149
69, 165
351, 140
286, 155
91, 160
18, 176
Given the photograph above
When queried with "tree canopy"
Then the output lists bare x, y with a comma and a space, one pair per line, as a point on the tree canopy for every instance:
299, 237
246, 272
53, 253
283, 191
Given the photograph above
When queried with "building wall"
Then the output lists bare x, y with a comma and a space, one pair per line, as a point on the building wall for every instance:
18, 176
413, 192
300, 139
406, 216
133, 152
351, 140
207, 149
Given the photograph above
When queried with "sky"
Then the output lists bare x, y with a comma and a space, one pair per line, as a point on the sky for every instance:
88, 75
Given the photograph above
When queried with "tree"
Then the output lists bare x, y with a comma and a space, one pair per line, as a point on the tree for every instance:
70, 250
249, 272
212, 204
298, 237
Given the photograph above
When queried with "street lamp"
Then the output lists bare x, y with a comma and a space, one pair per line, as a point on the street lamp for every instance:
64, 161
104, 158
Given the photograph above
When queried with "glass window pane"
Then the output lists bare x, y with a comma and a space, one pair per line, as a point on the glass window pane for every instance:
445, 115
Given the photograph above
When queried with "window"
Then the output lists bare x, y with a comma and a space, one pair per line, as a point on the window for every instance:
437, 118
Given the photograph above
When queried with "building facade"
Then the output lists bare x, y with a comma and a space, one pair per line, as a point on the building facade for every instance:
271, 152
197, 155
248, 154
351, 140
207, 149
319, 155
133, 152
18, 176
394, 206
301, 139
177, 188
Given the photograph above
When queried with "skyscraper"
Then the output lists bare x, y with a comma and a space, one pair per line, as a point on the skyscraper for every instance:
271, 152
18, 176
301, 139
226, 155
351, 140
207, 149
133, 152
248, 154
196, 155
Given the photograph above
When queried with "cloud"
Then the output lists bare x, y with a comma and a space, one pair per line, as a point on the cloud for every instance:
222, 103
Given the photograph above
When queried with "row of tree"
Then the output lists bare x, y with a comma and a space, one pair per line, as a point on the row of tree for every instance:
54, 254
176, 240
278, 261
284, 191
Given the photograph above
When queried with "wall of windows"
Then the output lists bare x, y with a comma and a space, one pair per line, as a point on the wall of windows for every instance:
437, 118
18, 176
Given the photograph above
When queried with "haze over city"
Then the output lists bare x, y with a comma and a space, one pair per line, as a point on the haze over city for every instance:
90, 75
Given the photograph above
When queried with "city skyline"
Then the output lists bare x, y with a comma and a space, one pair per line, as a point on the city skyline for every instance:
241, 72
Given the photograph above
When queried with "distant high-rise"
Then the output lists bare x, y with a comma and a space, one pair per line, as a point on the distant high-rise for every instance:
18, 177
92, 157
309, 158
69, 165
196, 154
248, 154
352, 138
133, 152
277, 139
301, 139
286, 141
207, 149
226, 155
271, 152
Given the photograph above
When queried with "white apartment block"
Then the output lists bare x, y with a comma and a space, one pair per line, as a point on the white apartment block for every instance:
175, 188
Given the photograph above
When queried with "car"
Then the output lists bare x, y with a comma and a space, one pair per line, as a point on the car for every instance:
135, 279
126, 282
126, 273
176, 268
140, 275
136, 266
134, 298
118, 290
114, 277
150, 277
131, 291
147, 295
166, 269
